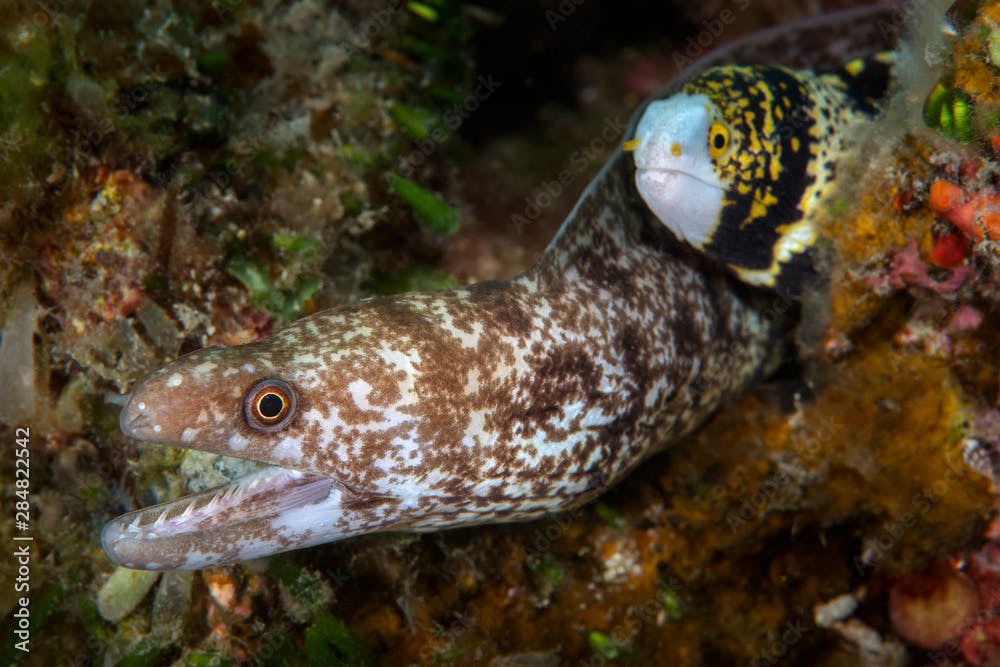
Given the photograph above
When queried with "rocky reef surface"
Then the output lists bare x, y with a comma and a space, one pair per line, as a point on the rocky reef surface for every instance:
178, 174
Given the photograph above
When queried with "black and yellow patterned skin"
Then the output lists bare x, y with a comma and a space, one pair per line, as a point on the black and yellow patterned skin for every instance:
775, 139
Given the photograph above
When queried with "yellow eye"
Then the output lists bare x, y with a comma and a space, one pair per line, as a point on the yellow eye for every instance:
718, 140
269, 405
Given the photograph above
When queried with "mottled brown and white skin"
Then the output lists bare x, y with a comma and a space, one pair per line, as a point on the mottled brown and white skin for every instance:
501, 401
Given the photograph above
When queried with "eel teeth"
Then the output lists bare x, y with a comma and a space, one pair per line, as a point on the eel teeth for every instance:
186, 532
273, 489
187, 512
211, 505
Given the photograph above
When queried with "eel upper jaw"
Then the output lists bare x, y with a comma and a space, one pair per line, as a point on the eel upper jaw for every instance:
276, 505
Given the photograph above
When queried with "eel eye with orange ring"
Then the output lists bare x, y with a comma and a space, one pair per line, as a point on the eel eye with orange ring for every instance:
269, 405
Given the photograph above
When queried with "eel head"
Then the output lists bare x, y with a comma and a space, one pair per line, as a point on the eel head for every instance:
218, 401
321, 403
675, 172
399, 413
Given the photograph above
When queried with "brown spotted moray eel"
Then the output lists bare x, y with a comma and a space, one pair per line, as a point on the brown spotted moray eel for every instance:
509, 400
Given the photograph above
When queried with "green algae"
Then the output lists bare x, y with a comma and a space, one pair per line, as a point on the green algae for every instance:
329, 642
605, 646
423, 10
204, 659
670, 600
547, 574
27, 61
413, 279
298, 244
429, 208
142, 654
447, 655
609, 515
283, 300
305, 593
416, 121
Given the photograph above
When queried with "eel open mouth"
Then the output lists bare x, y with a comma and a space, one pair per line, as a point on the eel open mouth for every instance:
273, 509
182, 525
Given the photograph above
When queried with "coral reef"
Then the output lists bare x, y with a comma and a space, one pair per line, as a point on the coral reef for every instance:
200, 174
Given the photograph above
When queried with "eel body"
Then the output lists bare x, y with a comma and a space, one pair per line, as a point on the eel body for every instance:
501, 401
497, 402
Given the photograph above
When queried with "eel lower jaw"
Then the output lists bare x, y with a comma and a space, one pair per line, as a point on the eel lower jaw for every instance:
273, 509
688, 204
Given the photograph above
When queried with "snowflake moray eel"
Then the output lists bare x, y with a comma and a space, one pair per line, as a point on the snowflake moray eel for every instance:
508, 400
741, 160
